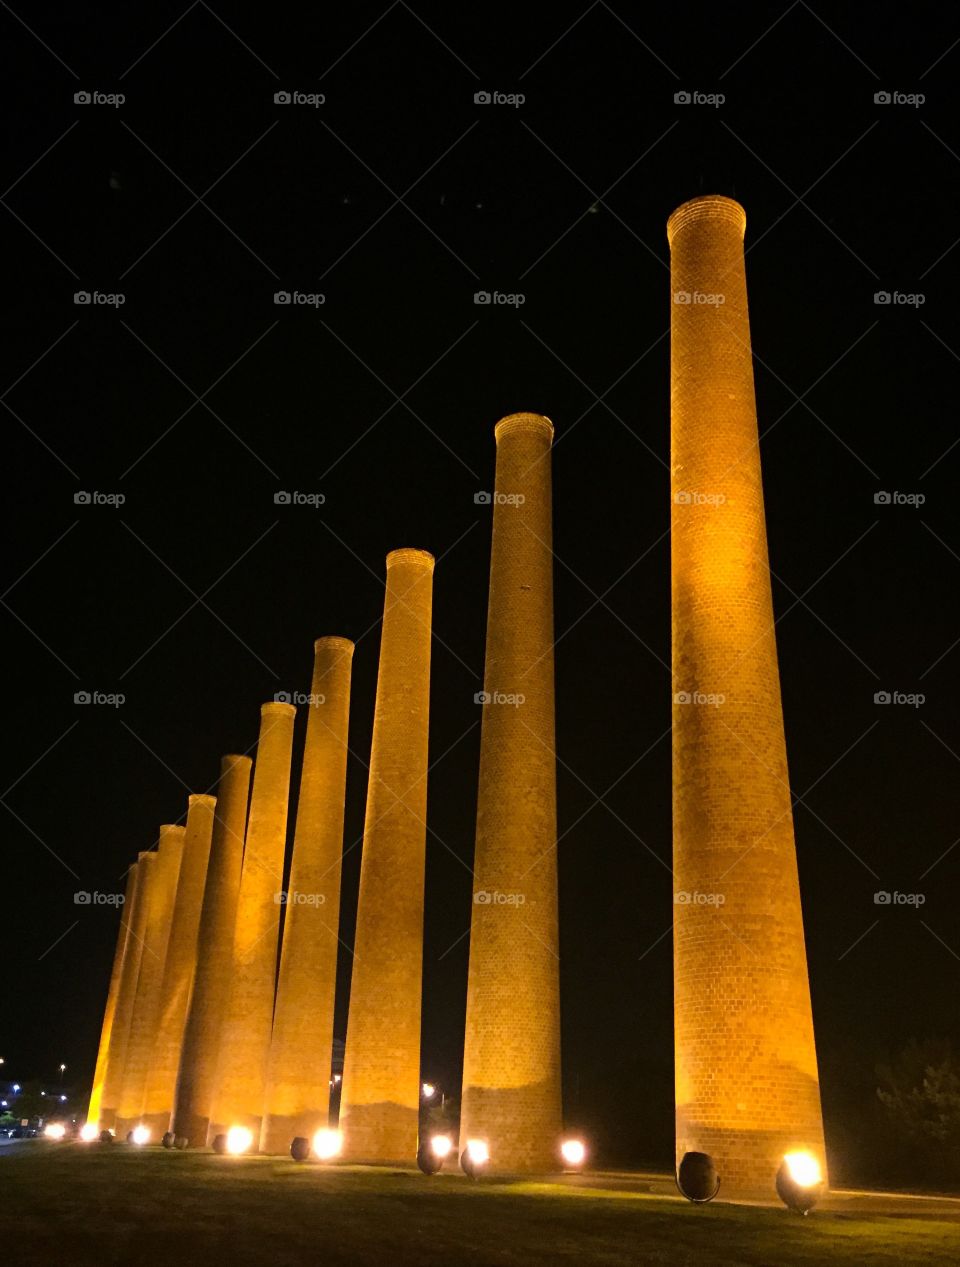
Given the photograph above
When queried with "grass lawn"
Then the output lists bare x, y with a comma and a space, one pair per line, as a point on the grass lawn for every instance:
76, 1204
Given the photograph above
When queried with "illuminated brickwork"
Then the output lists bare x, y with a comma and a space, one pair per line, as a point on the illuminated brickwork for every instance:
511, 1074
201, 1040
245, 1042
143, 1027
126, 997
107, 1036
179, 967
298, 1084
381, 1080
747, 1089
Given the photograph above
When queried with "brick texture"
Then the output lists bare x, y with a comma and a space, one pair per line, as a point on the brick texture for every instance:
196, 1082
381, 1076
301, 1052
245, 1040
511, 1074
746, 1070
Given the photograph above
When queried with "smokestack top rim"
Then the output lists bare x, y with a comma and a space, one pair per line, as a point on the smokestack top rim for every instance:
707, 207
409, 554
230, 760
199, 798
334, 640
537, 423
278, 707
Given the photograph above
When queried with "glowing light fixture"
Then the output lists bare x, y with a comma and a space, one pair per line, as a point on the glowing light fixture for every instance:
429, 1090
56, 1130
800, 1181
441, 1145
239, 1139
89, 1131
140, 1135
573, 1152
327, 1144
474, 1158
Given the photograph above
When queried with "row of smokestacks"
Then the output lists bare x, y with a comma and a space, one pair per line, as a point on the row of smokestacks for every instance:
205, 1029
214, 1021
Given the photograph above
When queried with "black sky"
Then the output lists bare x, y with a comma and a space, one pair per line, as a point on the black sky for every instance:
396, 200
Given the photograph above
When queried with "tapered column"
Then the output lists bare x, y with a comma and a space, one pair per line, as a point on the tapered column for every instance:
746, 1068
245, 1045
180, 965
143, 1027
107, 1035
381, 1077
201, 1040
298, 1084
119, 1040
511, 1072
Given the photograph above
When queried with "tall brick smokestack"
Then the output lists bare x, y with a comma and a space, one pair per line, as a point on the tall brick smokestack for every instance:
511, 1067
747, 1089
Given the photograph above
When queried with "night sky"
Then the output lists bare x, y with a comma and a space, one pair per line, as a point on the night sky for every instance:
397, 199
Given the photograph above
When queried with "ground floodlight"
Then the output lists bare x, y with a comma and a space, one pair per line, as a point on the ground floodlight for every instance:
219, 1144
573, 1152
327, 1144
432, 1153
168, 1138
697, 1178
89, 1132
180, 1142
239, 1140
799, 1181
55, 1130
106, 1137
474, 1158
300, 1148
140, 1135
